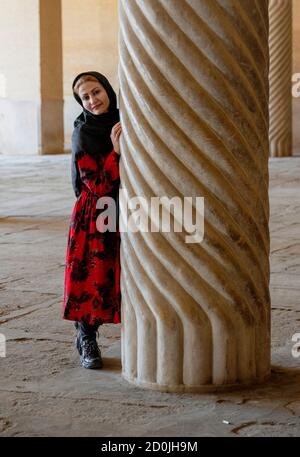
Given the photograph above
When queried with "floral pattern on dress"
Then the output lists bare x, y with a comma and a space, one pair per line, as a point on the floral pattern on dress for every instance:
92, 274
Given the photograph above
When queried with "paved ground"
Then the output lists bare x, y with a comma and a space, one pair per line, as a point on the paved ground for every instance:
43, 389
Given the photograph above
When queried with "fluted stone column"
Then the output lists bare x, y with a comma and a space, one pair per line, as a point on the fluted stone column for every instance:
280, 42
194, 109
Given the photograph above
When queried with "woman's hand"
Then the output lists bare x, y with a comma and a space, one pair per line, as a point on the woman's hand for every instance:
115, 136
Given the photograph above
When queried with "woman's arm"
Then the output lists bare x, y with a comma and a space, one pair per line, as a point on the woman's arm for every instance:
99, 178
115, 136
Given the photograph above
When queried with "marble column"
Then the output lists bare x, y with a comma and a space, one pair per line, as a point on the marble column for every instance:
194, 109
280, 42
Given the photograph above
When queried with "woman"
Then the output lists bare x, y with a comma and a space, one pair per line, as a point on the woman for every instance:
92, 277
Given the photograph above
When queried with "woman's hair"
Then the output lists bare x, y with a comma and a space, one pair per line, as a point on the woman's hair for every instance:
84, 79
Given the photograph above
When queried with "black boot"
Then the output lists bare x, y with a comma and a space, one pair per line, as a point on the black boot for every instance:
86, 343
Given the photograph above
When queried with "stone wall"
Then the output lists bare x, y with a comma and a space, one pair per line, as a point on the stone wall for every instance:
31, 111
90, 39
19, 76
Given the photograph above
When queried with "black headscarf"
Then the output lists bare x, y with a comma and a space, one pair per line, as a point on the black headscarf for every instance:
92, 132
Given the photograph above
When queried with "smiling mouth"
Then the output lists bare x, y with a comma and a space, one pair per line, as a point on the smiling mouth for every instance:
96, 106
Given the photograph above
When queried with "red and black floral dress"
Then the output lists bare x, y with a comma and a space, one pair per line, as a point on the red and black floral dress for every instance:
92, 276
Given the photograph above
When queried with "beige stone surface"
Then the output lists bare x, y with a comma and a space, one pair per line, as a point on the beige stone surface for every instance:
43, 389
280, 104
19, 37
20, 83
90, 42
198, 127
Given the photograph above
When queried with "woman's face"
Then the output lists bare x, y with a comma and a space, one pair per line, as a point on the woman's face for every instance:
94, 97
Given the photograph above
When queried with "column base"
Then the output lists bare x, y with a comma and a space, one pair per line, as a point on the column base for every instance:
205, 388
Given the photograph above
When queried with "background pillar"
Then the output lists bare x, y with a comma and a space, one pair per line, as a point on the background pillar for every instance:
280, 42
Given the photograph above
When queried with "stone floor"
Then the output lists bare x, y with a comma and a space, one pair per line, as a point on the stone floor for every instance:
43, 389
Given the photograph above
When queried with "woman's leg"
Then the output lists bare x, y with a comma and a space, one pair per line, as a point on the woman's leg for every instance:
86, 343
86, 330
